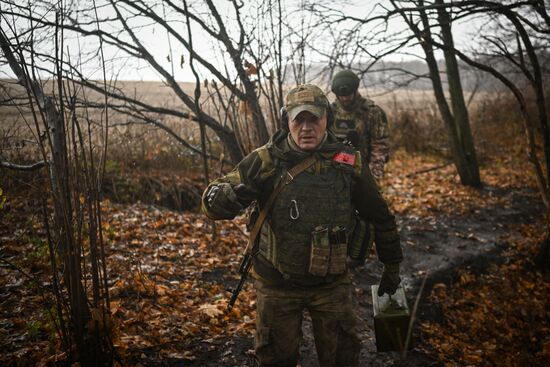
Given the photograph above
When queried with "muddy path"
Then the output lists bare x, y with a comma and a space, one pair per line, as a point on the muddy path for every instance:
437, 245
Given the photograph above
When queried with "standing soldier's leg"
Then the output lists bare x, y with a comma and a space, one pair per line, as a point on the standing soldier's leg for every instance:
335, 327
278, 326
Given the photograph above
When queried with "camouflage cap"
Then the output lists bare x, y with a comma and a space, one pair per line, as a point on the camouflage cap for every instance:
306, 97
344, 83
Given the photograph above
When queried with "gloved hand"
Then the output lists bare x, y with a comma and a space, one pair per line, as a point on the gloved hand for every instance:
222, 200
390, 279
352, 264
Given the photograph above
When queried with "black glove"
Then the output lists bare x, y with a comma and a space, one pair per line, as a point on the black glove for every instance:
221, 199
352, 263
390, 279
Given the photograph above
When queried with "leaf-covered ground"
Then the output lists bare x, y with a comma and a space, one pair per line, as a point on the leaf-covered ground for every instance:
498, 318
484, 304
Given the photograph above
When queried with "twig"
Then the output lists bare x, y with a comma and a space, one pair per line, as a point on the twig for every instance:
23, 272
413, 314
435, 168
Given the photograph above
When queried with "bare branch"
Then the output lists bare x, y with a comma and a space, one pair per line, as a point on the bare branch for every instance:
23, 167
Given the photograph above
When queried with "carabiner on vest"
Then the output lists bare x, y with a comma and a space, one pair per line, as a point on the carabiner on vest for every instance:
294, 212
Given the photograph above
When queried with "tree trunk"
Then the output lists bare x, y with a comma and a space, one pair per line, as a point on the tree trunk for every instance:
92, 350
425, 40
72, 271
456, 135
257, 114
231, 144
542, 259
465, 142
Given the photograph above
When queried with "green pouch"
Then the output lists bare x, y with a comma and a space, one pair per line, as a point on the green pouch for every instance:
361, 240
320, 252
338, 251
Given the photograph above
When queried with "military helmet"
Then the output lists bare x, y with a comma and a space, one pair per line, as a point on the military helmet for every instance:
344, 83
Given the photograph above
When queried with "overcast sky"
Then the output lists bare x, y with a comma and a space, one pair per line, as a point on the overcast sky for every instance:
155, 38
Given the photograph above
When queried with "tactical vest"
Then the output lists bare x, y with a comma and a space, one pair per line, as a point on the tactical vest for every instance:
353, 126
317, 200
345, 121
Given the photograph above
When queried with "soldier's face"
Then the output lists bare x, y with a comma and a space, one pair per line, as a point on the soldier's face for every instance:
308, 130
346, 101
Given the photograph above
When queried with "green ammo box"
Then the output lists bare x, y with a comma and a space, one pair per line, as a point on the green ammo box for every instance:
391, 319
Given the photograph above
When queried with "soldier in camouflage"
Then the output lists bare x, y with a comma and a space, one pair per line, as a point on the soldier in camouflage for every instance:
360, 121
301, 263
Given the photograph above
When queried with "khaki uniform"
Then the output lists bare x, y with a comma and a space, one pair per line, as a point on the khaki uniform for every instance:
290, 276
367, 124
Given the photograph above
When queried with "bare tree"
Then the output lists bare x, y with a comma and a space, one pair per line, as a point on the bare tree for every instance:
455, 118
251, 75
513, 54
75, 171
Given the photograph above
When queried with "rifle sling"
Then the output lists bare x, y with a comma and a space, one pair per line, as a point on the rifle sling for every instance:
290, 175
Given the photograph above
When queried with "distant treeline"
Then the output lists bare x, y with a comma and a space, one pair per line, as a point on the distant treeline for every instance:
411, 75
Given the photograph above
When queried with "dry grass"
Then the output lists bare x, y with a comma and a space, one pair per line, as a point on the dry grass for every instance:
415, 125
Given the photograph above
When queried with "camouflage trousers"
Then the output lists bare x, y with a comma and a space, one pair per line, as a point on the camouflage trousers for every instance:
279, 324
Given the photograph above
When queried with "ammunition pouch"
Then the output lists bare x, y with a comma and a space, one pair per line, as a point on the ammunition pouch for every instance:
320, 252
361, 240
338, 250
328, 251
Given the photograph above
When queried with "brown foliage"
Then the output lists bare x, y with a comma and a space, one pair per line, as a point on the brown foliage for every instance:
499, 318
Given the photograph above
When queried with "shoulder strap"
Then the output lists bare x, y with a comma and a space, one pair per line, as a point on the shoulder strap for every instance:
290, 175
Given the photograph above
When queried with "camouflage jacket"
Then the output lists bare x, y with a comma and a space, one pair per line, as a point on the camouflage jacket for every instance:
255, 177
366, 126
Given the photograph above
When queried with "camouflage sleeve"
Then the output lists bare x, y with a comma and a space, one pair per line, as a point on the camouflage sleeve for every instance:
380, 149
373, 208
246, 180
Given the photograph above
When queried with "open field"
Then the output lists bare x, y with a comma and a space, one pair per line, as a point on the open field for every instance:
413, 118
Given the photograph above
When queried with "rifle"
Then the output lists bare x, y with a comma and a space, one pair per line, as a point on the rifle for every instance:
252, 247
244, 269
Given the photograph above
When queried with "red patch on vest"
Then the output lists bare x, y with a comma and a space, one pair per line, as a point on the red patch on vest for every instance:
345, 158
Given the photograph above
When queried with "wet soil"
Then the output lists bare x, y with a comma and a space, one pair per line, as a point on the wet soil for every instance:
435, 247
